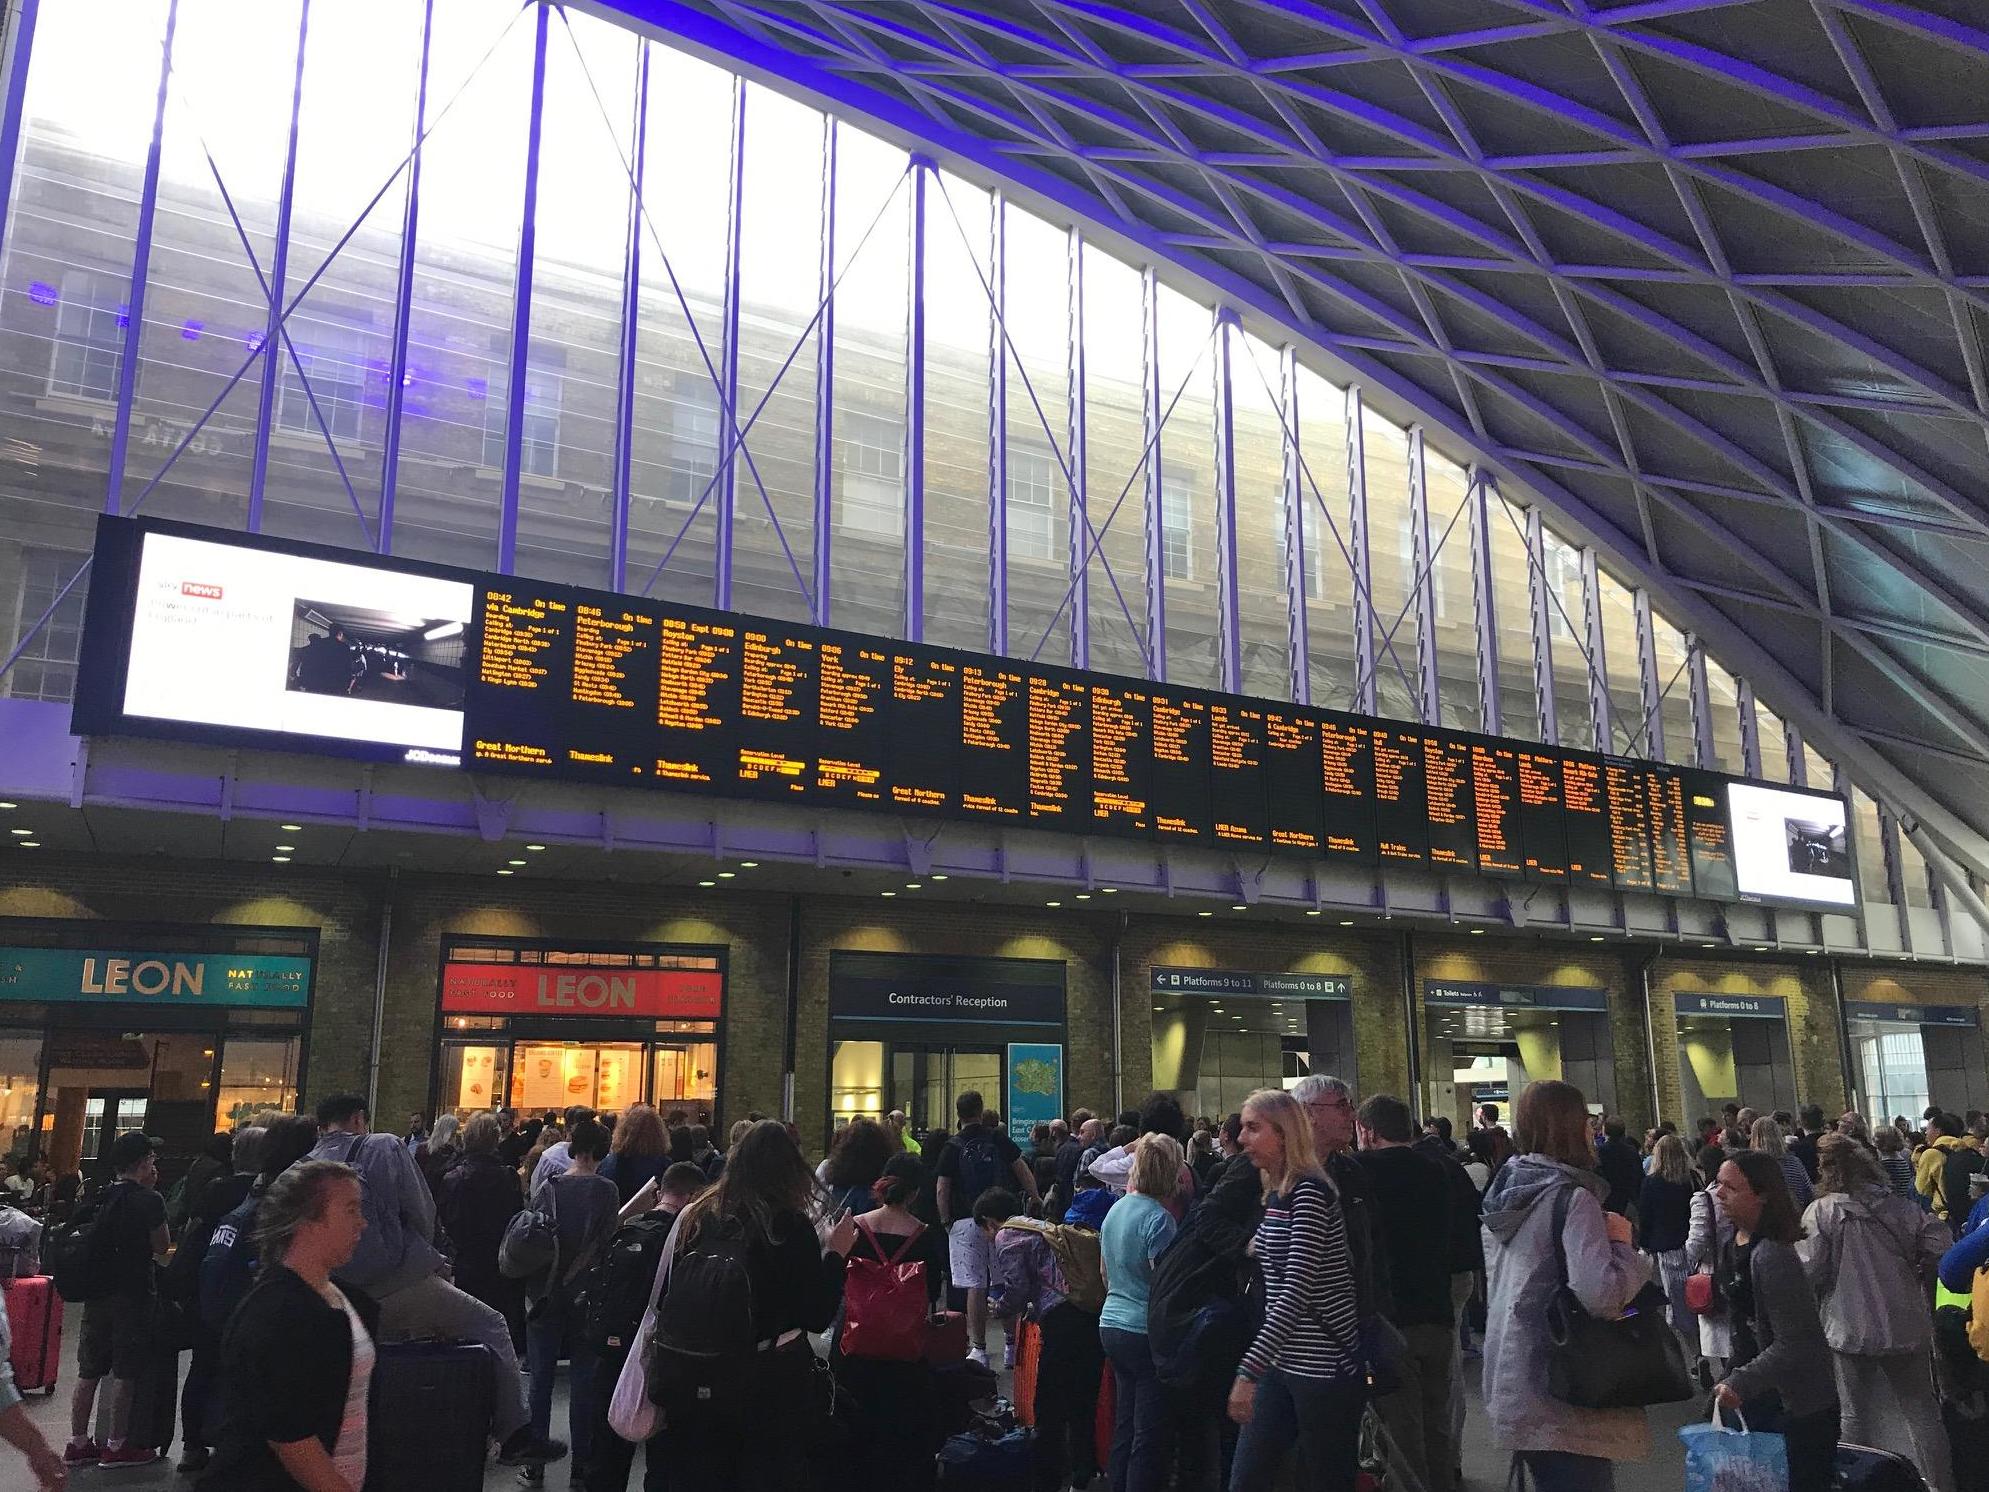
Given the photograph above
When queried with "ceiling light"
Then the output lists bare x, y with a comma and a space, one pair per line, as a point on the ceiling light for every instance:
1205, 914
1346, 924
21, 833
1109, 891
748, 865
1052, 903
1240, 907
887, 893
31, 844
936, 878
1760, 947
286, 848
445, 629
507, 872
1159, 1008
1312, 912
9, 805
1477, 932
727, 875
1084, 896
915, 885
514, 862
1597, 938
535, 848
1709, 945
707, 883
280, 859
286, 828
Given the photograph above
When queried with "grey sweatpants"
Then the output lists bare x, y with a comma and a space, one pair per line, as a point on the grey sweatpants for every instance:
435, 1308
1890, 1403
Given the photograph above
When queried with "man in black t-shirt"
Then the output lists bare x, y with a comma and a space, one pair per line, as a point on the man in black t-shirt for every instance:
976, 1160
120, 1327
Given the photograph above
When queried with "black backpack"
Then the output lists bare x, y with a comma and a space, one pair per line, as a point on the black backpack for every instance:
75, 1256
701, 1354
1198, 1318
980, 1167
617, 1289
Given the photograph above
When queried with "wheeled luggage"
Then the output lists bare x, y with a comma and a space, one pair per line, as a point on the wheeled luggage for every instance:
1002, 1464
1028, 1364
155, 1400
34, 1319
428, 1422
1865, 1468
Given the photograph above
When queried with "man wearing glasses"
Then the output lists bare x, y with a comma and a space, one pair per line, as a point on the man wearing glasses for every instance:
1329, 1104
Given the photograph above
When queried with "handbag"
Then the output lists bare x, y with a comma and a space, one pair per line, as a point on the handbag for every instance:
884, 1303
1702, 1295
530, 1244
1625, 1363
1721, 1460
632, 1414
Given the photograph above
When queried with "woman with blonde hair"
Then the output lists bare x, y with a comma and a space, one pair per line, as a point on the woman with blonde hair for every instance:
1664, 1216
1765, 1137
1302, 1380
1549, 1185
1136, 1229
1869, 1255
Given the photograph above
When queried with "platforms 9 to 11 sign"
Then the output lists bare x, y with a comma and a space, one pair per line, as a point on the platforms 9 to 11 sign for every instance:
213, 636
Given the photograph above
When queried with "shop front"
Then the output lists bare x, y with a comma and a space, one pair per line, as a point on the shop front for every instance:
1219, 1035
1488, 1041
1907, 1057
1734, 1049
181, 1034
539, 1025
914, 1032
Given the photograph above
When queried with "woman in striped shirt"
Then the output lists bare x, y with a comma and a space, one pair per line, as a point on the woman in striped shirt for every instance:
1301, 1382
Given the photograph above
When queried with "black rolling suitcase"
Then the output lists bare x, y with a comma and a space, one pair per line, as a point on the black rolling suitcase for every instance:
1864, 1468
428, 1417
155, 1402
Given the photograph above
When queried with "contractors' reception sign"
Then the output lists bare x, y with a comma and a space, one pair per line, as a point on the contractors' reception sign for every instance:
536, 989
118, 976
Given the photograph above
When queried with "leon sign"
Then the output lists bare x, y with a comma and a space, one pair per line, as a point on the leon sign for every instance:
515, 989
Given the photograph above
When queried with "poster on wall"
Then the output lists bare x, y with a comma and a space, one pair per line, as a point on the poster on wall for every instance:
473, 1089
615, 1080
1035, 1086
541, 1079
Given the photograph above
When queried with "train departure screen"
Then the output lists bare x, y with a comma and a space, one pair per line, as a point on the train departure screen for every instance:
1537, 797
1495, 799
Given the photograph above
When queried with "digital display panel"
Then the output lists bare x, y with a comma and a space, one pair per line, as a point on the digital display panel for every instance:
1790, 845
197, 634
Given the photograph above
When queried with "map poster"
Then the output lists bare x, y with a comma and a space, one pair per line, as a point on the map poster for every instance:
1035, 1087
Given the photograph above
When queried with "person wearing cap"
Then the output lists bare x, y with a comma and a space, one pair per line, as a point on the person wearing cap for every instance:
119, 1326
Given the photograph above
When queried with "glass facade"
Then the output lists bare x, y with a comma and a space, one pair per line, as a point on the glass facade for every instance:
564, 300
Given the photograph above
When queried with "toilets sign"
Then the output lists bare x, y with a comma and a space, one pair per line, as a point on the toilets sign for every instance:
100, 976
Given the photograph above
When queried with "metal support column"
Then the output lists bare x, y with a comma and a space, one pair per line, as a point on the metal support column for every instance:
397, 376
998, 427
1541, 599
922, 168
1422, 596
1358, 553
1895, 875
631, 317
20, 55
1650, 688
728, 370
1750, 730
1152, 505
141, 269
1798, 762
1074, 453
1481, 494
1705, 753
521, 309
825, 383
274, 339
1601, 737
1297, 562
1229, 621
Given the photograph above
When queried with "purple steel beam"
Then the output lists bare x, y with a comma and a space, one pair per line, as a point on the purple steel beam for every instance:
141, 268
997, 426
1541, 606
20, 56
922, 168
625, 374
1298, 649
397, 375
1422, 590
1079, 596
279, 269
521, 308
825, 380
728, 394
1155, 517
1750, 730
1480, 494
1359, 560
1229, 619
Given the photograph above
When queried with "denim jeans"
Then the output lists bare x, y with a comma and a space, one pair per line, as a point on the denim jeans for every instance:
1321, 1416
1142, 1435
1564, 1471
554, 1333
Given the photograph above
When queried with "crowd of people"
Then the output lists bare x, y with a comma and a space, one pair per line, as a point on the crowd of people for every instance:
1307, 1275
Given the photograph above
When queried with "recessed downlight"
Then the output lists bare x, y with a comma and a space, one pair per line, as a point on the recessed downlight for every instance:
1052, 903
30, 844
1205, 914
290, 828
285, 849
707, 883
1347, 924
8, 807
280, 859
507, 872
535, 848
887, 893
1109, 891
21, 833
1240, 907
941, 878
749, 865
915, 885
1595, 938
1083, 896
514, 862
726, 875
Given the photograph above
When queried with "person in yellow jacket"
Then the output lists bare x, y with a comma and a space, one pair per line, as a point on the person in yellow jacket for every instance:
900, 1126
1945, 1135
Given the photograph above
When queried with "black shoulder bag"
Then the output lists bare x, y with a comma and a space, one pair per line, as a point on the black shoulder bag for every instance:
1625, 1363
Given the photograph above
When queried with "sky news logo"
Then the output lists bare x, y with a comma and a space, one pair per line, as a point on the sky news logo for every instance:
200, 591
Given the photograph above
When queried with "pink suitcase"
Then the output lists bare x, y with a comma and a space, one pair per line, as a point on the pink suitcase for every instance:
34, 1318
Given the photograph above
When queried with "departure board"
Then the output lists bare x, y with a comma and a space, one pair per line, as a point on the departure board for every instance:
395, 660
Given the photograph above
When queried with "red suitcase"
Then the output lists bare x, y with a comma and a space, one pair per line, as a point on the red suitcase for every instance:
34, 1318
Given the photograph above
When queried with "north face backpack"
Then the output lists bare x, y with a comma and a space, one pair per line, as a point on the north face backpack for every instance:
703, 1345
618, 1286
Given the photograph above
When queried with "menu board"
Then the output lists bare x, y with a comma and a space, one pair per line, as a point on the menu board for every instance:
329, 651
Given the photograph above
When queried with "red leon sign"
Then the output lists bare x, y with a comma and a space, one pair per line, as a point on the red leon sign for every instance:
506, 989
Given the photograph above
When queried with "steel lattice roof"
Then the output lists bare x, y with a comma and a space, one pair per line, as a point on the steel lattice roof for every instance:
1709, 276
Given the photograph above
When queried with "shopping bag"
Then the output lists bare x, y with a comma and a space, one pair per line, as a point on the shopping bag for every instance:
1721, 1460
632, 1414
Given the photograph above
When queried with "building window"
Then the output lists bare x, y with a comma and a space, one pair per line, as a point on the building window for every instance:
538, 442
330, 363
1032, 488
693, 458
46, 668
872, 448
89, 337
1176, 529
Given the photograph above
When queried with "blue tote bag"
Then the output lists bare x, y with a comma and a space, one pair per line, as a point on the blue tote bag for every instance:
1721, 1460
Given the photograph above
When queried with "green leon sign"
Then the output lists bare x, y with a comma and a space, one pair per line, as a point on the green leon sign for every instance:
96, 975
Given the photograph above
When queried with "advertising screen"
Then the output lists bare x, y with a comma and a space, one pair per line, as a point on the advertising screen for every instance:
1790, 845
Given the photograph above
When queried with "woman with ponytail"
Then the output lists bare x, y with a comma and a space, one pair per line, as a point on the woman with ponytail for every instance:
898, 1420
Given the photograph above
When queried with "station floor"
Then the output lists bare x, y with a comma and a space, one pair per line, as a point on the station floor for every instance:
1484, 1466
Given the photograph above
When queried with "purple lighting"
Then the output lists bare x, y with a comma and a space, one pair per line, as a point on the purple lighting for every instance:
42, 293
190, 331
479, 388
253, 341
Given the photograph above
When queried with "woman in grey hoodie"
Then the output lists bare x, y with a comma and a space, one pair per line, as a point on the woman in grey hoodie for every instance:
1565, 1449
1782, 1376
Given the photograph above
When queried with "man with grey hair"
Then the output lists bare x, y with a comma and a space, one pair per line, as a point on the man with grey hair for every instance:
1329, 1105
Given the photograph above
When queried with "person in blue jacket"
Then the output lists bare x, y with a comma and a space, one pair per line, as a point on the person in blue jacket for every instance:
1969, 1252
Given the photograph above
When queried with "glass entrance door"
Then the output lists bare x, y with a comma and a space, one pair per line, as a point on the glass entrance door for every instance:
925, 1081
